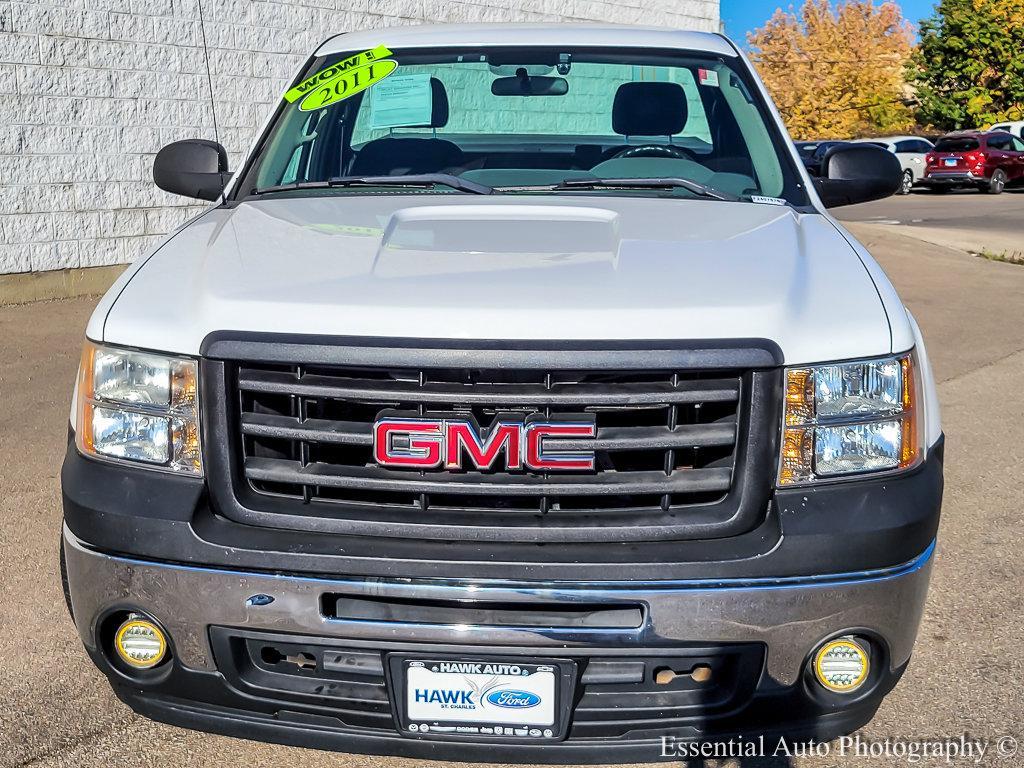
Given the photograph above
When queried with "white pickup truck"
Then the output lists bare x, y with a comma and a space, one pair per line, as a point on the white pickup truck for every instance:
516, 396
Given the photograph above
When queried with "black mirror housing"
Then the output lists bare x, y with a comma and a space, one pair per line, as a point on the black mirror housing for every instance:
524, 85
857, 173
193, 168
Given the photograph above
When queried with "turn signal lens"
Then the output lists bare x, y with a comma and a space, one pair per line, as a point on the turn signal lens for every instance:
140, 643
849, 418
842, 665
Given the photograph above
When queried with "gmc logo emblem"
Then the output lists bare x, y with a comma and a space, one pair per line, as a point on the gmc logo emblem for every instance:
512, 443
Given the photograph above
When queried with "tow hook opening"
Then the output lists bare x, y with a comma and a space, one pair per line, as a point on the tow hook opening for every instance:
701, 673
273, 656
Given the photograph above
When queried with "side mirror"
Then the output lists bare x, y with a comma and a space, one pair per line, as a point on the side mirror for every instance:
857, 173
193, 168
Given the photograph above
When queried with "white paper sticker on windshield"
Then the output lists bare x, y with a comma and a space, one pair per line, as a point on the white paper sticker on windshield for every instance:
401, 101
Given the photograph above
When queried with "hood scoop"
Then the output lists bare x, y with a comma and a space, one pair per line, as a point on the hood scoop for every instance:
466, 238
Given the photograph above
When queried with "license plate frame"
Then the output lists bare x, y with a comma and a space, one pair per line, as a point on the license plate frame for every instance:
416, 725
950, 161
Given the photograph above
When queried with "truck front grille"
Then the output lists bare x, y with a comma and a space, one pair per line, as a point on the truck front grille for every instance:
686, 443
666, 443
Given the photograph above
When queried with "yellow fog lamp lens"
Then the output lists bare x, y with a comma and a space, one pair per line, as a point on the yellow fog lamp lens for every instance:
140, 643
842, 665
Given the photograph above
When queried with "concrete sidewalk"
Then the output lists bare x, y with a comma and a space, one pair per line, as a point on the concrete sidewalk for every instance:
965, 677
1008, 245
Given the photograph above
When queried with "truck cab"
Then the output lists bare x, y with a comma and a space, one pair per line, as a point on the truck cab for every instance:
516, 391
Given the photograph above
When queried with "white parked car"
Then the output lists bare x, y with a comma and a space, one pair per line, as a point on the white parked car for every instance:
1015, 127
911, 151
516, 399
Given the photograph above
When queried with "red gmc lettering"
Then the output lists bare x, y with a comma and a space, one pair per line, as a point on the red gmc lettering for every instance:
538, 458
424, 439
457, 443
505, 436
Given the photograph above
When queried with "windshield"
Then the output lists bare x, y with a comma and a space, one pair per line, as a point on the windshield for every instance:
524, 121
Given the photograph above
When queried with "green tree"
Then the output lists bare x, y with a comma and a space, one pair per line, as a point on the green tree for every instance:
969, 67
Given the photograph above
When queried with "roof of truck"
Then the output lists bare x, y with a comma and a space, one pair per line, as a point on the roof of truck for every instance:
489, 35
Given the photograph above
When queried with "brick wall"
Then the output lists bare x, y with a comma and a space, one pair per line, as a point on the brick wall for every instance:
91, 89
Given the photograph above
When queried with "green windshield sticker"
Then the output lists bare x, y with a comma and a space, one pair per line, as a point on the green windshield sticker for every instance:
341, 80
348, 84
335, 70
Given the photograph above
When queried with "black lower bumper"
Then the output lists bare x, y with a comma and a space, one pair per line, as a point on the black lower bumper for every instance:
208, 702
302, 733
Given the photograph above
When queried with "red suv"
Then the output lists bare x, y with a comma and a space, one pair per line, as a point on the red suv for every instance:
988, 160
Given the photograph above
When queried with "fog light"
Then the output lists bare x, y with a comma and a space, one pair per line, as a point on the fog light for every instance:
842, 665
140, 643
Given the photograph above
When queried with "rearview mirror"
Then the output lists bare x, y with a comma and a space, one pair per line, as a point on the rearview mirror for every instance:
193, 168
525, 85
857, 173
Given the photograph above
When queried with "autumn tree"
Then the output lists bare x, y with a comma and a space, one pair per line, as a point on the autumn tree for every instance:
837, 72
969, 67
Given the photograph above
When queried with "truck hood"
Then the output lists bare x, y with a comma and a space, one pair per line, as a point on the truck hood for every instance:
524, 268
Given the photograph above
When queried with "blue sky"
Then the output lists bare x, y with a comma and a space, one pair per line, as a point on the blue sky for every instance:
742, 16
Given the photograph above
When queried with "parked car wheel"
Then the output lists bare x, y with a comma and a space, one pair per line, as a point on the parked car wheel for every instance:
908, 182
997, 183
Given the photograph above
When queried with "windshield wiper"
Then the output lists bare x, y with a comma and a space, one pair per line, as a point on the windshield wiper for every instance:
296, 185
701, 190
423, 180
414, 180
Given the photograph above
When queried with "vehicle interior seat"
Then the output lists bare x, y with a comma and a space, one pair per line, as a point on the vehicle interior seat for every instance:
397, 157
651, 109
660, 109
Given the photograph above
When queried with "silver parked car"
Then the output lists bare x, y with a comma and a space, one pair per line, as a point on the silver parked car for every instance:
911, 151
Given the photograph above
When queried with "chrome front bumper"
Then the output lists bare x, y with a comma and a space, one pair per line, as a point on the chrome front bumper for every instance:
791, 617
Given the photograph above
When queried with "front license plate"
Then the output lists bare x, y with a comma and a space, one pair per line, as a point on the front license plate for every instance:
484, 697
950, 161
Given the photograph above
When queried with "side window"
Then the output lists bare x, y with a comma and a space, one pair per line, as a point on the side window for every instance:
924, 146
999, 142
291, 171
1018, 145
292, 149
586, 108
907, 145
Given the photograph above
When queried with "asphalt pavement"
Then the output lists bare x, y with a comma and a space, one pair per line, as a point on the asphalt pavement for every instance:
964, 219
966, 675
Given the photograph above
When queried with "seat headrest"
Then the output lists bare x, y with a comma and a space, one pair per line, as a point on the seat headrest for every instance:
397, 157
649, 109
438, 106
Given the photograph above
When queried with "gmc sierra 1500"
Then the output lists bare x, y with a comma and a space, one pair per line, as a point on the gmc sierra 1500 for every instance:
517, 389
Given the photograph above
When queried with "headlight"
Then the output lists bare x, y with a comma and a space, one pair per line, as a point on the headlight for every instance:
849, 418
139, 407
